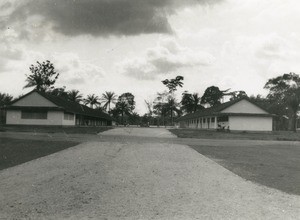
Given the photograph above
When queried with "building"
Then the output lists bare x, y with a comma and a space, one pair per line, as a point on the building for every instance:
241, 115
38, 108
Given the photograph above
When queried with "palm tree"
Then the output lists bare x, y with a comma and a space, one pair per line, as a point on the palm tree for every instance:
172, 106
75, 96
5, 99
191, 102
108, 98
92, 100
123, 108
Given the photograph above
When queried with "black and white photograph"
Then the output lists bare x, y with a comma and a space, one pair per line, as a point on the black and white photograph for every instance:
149, 109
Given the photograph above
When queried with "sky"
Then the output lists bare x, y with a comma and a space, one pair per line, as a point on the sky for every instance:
132, 45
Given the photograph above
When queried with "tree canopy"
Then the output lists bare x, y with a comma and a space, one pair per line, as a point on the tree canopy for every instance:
125, 105
285, 90
107, 99
237, 94
43, 76
5, 99
213, 96
92, 100
75, 96
172, 84
190, 103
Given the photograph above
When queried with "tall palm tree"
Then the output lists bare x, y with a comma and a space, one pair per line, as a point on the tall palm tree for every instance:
92, 100
75, 96
108, 98
172, 106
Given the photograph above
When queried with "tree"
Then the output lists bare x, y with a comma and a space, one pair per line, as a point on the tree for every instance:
148, 116
213, 96
172, 84
172, 107
159, 105
285, 89
149, 105
237, 94
134, 118
191, 102
59, 92
92, 100
125, 104
5, 99
108, 98
75, 96
43, 76
273, 107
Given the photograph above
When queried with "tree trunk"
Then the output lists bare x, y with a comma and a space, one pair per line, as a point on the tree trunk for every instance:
171, 117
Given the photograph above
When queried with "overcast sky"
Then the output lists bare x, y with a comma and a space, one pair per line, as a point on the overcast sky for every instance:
132, 45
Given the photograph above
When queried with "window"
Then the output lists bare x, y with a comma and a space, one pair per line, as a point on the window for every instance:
204, 120
212, 120
68, 116
222, 118
34, 114
208, 120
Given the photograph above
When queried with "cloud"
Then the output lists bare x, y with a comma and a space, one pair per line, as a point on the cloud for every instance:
10, 50
97, 18
272, 46
73, 70
168, 56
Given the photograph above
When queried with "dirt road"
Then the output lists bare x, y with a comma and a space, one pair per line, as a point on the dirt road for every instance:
128, 178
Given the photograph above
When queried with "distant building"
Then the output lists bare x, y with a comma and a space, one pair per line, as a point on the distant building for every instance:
38, 108
241, 115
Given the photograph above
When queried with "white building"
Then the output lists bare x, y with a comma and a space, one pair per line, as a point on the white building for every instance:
241, 115
38, 108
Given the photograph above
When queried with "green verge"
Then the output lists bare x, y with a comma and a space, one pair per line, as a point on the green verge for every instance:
273, 165
17, 151
54, 129
242, 135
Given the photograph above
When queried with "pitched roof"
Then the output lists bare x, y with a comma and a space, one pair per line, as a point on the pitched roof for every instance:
68, 106
216, 110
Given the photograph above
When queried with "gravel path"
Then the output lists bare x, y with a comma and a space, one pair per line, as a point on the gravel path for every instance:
124, 179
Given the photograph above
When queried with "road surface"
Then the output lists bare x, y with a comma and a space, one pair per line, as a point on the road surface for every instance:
135, 173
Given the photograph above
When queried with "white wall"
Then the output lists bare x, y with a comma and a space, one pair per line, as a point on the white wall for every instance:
249, 123
68, 122
244, 106
13, 117
34, 99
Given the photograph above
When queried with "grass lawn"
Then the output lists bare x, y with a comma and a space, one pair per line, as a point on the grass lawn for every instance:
206, 134
17, 151
276, 165
54, 129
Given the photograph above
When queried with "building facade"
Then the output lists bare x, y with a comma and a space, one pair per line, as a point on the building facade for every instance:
239, 115
38, 108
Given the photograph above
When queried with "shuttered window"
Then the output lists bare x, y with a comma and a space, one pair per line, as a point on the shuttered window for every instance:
33, 114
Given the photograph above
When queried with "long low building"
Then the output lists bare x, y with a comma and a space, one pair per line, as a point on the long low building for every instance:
39, 108
240, 114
